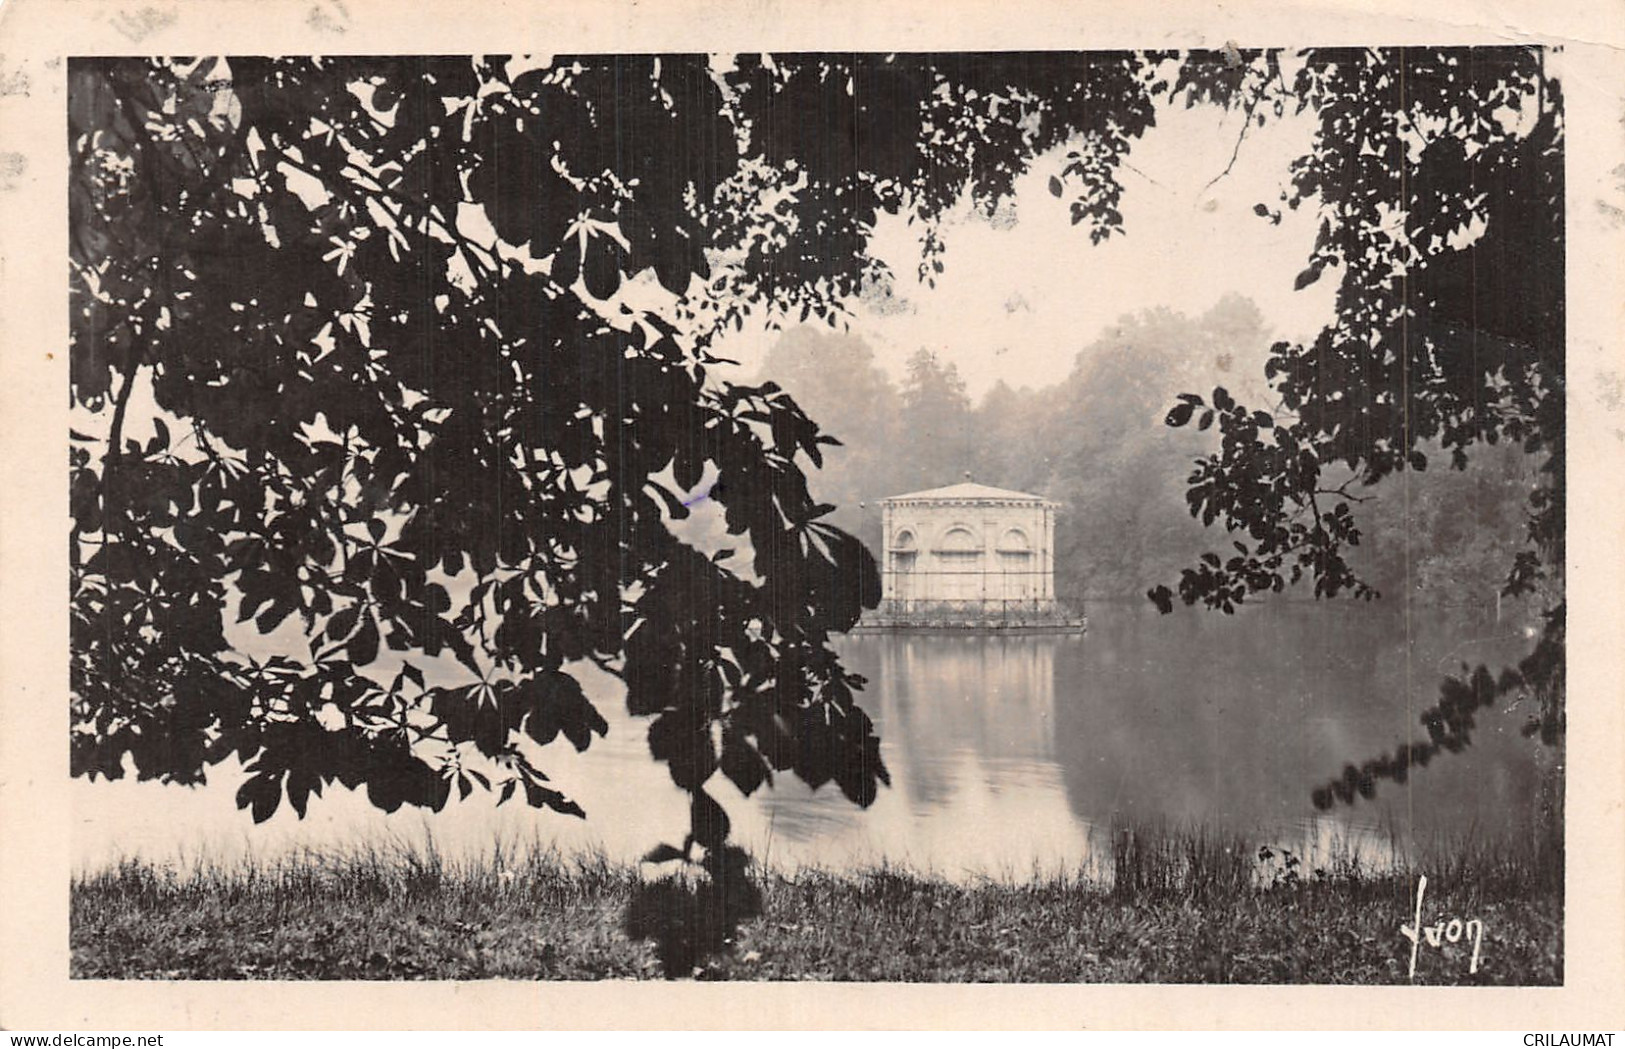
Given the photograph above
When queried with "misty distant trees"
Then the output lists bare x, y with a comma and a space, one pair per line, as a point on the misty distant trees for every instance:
1095, 442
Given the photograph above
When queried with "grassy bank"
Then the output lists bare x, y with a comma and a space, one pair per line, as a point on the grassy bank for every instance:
1177, 908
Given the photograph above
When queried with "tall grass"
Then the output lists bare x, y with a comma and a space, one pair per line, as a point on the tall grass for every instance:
1151, 861
375, 872
1172, 904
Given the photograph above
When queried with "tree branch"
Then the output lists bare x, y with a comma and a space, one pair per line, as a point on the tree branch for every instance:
1246, 123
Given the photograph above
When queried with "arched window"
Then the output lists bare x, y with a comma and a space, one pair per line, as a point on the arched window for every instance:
1016, 566
905, 559
1014, 540
959, 564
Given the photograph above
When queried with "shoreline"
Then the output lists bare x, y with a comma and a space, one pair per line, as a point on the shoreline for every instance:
1179, 907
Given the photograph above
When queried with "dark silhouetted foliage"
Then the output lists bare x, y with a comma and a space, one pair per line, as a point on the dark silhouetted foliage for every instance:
1438, 177
402, 413
380, 317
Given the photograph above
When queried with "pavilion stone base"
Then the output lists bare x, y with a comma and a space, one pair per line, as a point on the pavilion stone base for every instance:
1027, 617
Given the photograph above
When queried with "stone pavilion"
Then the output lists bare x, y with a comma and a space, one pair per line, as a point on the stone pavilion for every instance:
969, 556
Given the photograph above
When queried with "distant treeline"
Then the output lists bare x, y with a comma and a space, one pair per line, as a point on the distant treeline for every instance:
1096, 443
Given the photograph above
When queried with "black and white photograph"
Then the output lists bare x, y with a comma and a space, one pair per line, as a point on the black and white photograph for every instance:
1053, 515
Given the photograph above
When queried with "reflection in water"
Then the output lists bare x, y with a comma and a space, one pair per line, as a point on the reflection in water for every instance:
993, 698
1009, 753
968, 730
1229, 721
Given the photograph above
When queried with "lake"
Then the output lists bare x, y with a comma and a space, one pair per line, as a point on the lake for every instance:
1008, 754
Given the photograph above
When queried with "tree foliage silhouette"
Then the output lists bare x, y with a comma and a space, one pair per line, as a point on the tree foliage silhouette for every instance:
408, 404
1438, 179
400, 432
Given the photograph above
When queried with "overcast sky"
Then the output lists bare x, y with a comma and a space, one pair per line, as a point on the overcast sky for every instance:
1020, 299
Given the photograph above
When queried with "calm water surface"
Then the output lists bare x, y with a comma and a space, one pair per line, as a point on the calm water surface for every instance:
1008, 754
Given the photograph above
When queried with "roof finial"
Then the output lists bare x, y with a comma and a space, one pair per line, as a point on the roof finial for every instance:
968, 477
